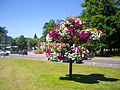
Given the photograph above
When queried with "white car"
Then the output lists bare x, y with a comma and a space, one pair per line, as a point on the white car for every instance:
3, 53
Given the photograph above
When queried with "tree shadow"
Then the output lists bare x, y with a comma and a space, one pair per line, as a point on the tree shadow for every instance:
89, 79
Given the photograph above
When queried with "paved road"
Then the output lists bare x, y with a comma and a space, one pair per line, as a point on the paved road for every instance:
33, 57
95, 61
103, 62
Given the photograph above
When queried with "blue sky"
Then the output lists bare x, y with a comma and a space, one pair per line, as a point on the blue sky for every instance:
27, 17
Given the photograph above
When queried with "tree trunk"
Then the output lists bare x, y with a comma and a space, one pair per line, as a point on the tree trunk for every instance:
101, 52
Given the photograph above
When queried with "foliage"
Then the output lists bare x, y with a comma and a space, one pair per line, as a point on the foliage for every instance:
13, 41
39, 50
21, 42
3, 31
32, 42
36, 41
14, 52
24, 74
104, 15
35, 36
47, 28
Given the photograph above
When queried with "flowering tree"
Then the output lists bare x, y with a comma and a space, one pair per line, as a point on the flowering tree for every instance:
73, 33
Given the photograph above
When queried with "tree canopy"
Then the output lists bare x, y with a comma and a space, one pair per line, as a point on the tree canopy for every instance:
35, 36
32, 42
3, 34
104, 15
21, 42
2, 30
47, 28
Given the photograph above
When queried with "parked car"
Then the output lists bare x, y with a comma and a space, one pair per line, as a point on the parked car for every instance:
3, 53
23, 52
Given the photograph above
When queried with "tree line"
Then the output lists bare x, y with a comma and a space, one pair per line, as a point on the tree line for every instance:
22, 42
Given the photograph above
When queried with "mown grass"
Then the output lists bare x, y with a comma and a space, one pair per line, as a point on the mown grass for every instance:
24, 74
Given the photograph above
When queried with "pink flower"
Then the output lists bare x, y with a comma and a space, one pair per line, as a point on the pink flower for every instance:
85, 35
53, 34
73, 35
56, 27
48, 51
76, 25
50, 46
72, 20
99, 30
81, 26
69, 30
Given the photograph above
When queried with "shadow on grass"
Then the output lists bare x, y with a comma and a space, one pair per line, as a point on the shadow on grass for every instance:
89, 79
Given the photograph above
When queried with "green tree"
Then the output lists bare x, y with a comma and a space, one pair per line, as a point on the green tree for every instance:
104, 15
35, 36
47, 28
35, 41
21, 42
13, 42
32, 42
2, 30
3, 35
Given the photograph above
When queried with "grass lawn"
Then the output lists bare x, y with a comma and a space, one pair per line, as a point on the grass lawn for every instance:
24, 74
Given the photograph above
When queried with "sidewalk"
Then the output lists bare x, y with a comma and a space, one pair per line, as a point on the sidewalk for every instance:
106, 58
42, 57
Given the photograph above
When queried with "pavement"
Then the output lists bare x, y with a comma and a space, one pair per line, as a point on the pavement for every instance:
109, 62
41, 57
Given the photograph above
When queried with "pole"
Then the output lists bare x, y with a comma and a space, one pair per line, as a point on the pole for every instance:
70, 69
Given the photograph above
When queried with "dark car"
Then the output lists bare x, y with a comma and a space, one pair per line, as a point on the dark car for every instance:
23, 52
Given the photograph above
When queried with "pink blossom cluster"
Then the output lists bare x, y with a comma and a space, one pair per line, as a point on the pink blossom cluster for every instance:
72, 30
53, 34
48, 51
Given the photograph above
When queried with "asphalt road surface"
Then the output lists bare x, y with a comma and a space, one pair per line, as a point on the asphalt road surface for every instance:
95, 61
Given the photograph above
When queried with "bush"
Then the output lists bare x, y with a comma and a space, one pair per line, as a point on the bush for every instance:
14, 52
39, 50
